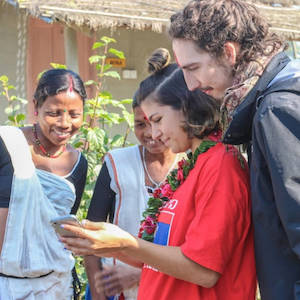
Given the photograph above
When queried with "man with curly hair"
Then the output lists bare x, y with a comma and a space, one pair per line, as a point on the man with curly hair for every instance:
226, 49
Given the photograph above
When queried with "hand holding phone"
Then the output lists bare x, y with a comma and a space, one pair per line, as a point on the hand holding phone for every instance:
68, 219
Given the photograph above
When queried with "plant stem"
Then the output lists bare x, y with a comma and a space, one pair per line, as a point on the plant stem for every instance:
126, 135
99, 88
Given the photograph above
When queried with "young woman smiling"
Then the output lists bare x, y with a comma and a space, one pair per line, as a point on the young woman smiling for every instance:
42, 177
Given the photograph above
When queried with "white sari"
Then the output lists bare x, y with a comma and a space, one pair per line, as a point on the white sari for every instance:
30, 246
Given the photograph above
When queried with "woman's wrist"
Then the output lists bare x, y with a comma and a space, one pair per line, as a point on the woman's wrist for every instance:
130, 242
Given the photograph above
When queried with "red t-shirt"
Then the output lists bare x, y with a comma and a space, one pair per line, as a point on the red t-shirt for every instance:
209, 218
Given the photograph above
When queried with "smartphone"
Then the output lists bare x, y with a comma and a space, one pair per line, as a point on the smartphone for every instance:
68, 219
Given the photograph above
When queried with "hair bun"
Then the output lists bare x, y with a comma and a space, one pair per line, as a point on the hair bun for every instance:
159, 59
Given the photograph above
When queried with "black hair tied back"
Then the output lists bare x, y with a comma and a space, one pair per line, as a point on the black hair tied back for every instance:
160, 68
159, 60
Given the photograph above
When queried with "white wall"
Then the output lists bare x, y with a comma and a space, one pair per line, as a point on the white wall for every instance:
71, 49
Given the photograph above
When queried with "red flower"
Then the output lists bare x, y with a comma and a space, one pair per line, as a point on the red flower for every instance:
180, 176
148, 225
216, 136
182, 163
166, 191
141, 230
156, 193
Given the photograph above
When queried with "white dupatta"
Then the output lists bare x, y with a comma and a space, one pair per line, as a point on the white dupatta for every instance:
30, 246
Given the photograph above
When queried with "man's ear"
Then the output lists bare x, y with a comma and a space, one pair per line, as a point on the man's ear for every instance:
231, 51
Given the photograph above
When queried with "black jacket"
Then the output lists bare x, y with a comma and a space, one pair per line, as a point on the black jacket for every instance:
269, 121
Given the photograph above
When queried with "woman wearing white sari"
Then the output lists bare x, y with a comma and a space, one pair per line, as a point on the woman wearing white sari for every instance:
41, 177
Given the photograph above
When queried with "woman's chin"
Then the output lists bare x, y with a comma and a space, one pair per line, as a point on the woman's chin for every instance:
157, 149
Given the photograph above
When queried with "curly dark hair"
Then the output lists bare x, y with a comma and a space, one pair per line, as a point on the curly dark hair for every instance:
55, 81
212, 23
201, 112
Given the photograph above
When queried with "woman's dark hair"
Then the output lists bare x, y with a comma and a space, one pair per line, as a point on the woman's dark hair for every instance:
200, 110
212, 23
55, 81
159, 67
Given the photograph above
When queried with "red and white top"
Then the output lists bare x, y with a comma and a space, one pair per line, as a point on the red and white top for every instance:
209, 218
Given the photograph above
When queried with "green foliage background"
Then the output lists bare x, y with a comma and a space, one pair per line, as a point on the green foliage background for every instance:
94, 139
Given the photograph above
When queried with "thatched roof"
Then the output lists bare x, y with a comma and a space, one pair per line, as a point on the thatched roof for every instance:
283, 15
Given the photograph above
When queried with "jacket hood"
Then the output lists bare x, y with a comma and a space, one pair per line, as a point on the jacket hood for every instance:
281, 74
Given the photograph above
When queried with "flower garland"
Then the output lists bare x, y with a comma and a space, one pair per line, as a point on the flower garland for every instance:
165, 192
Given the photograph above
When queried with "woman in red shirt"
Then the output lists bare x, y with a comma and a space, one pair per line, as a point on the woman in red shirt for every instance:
199, 221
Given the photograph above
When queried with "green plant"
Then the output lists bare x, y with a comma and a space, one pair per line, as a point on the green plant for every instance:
94, 139
15, 104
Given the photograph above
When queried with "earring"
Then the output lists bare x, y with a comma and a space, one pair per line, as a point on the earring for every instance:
35, 113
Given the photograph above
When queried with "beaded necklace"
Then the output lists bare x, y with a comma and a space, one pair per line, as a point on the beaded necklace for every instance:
42, 148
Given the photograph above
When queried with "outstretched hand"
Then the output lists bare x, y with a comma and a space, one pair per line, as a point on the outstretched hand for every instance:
99, 239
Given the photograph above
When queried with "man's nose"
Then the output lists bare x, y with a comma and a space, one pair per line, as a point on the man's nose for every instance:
191, 81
